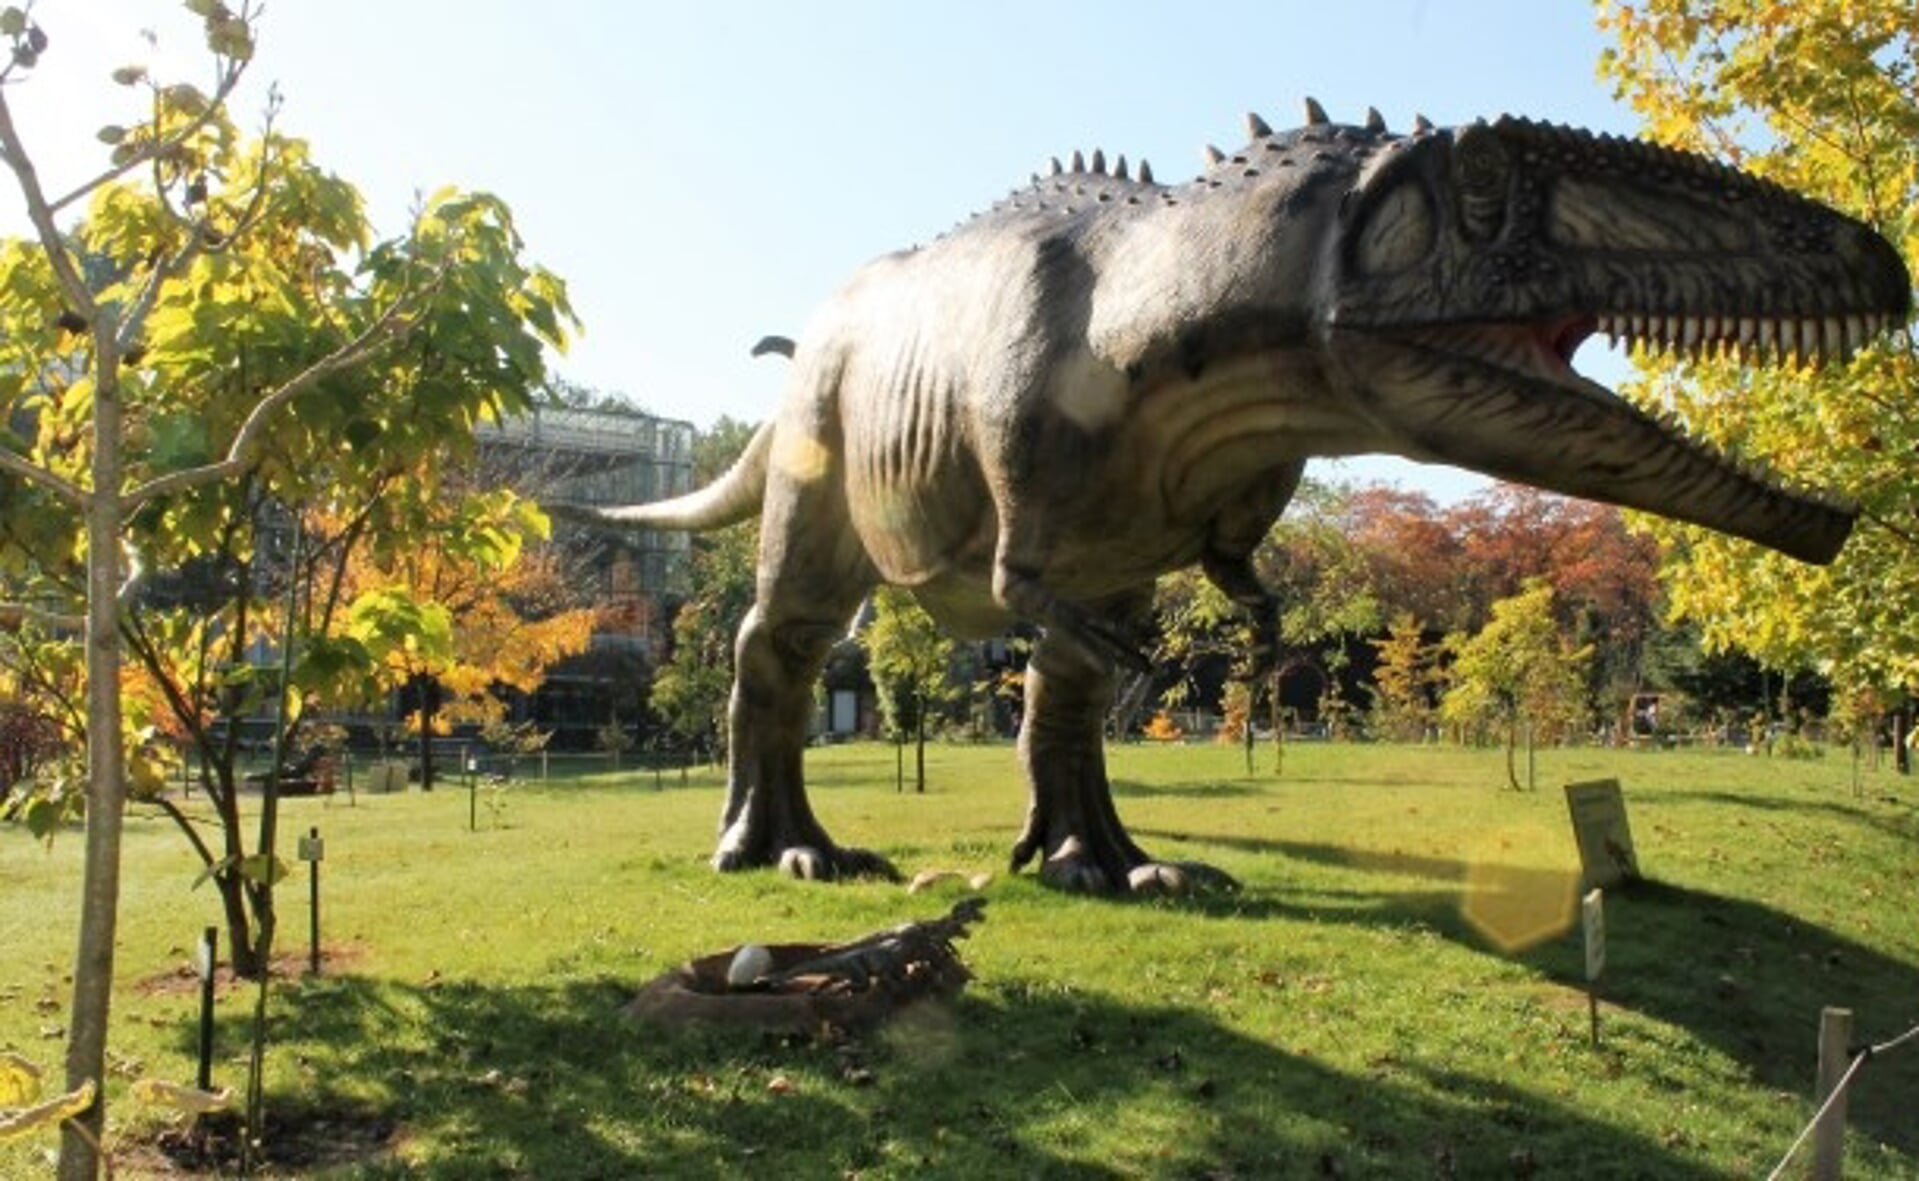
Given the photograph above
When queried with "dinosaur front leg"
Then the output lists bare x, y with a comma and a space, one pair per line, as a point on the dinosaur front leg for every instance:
767, 819
1237, 580
1228, 562
1071, 823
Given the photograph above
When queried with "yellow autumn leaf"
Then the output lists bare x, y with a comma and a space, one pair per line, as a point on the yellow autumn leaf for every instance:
16, 1124
19, 1081
161, 1093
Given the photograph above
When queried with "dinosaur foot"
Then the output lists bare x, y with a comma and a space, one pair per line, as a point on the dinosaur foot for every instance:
819, 861
1071, 868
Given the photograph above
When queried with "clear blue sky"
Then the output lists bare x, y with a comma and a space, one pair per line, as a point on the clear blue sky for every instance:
705, 173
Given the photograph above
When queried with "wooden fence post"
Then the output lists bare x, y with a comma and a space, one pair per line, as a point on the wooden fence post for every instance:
1829, 1138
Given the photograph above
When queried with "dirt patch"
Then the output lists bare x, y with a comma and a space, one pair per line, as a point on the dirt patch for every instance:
183, 979
299, 1140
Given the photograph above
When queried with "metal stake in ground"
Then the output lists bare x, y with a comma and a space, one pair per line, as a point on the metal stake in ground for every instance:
312, 851
209, 944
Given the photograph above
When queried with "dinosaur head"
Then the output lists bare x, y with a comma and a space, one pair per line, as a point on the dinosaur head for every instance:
1470, 264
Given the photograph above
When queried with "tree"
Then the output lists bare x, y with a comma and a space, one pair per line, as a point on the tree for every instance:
1518, 667
461, 611
1448, 565
214, 319
1402, 681
1323, 597
1821, 96
910, 659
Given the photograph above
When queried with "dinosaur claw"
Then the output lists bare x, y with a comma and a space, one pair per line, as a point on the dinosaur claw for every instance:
806, 863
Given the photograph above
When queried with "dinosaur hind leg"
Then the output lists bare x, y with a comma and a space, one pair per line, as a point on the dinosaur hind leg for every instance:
768, 819
1071, 823
812, 576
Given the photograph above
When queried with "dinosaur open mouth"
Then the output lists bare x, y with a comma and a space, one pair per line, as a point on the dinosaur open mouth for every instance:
1564, 340
1804, 340
1546, 348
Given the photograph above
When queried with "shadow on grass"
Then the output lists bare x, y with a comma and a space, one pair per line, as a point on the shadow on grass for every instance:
1743, 977
1900, 825
1020, 1078
1204, 790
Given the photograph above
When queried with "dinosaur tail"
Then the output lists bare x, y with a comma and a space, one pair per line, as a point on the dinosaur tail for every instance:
732, 498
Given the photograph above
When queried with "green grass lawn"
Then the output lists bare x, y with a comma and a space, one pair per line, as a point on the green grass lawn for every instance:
1349, 1013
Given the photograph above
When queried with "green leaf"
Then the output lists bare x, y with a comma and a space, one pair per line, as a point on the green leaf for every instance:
212, 871
130, 75
263, 869
112, 133
13, 22
186, 99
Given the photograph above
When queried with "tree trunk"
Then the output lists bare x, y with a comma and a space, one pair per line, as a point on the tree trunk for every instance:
424, 697
919, 743
106, 792
1512, 743
1278, 718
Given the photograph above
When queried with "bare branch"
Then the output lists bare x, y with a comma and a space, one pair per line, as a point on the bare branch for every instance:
14, 616
41, 215
186, 826
246, 442
53, 482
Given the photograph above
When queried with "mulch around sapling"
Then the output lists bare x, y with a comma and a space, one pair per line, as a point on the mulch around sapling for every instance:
299, 1140
183, 978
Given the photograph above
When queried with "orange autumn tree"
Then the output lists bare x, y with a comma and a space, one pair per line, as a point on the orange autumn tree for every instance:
475, 606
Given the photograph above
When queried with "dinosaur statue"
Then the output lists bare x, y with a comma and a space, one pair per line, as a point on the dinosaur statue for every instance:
1103, 378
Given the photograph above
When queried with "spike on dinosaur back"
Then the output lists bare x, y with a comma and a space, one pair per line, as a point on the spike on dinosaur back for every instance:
1256, 127
1315, 114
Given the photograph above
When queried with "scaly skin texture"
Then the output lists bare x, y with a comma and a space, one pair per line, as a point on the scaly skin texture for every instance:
1103, 378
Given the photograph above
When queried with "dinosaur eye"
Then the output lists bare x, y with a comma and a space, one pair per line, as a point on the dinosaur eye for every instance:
1398, 232
1481, 177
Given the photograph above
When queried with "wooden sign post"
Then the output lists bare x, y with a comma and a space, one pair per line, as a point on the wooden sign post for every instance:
1592, 914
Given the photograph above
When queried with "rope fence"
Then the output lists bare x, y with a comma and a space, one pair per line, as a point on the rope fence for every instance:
1832, 1134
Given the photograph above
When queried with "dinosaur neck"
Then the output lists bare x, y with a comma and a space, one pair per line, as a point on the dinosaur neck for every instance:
1209, 437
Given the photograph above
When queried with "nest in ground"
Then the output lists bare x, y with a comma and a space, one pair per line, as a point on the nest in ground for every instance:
806, 987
